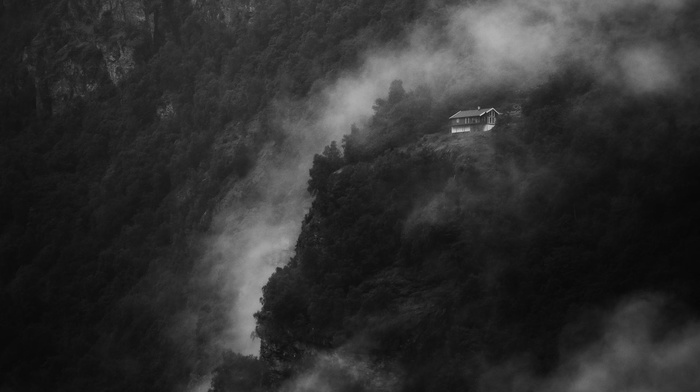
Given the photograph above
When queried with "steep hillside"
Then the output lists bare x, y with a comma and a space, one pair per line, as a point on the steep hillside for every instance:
154, 158
126, 125
451, 254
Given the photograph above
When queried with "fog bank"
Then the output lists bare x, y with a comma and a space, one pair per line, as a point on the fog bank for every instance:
640, 349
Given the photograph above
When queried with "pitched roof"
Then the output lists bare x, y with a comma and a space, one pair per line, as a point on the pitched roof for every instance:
473, 113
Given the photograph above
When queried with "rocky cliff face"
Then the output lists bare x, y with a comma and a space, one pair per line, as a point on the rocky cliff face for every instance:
82, 45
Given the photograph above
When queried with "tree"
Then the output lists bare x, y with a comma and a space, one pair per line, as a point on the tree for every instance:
323, 166
396, 92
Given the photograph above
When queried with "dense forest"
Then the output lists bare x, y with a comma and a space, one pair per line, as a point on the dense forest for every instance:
425, 261
456, 252
123, 123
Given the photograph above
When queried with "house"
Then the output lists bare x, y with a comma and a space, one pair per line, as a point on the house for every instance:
474, 120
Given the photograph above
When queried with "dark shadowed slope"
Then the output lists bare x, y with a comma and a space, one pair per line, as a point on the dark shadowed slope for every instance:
124, 124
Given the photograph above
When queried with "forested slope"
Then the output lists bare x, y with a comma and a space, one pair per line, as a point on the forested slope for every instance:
451, 254
425, 259
124, 123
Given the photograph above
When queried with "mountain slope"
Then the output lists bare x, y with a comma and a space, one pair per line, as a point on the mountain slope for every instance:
124, 125
452, 253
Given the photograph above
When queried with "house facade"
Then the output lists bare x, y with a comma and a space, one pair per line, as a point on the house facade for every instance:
474, 120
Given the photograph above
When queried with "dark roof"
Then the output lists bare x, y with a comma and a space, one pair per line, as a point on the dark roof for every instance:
473, 113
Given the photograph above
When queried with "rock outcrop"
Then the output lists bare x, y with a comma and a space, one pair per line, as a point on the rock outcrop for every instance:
83, 45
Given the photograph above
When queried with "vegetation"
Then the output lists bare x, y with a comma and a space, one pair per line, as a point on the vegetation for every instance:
104, 184
452, 253
444, 254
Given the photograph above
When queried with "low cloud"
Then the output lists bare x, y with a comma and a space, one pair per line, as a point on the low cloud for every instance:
639, 351
342, 371
649, 69
518, 44
244, 260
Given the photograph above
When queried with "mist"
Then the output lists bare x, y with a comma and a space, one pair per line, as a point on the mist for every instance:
452, 49
344, 371
637, 353
256, 226
639, 349
518, 44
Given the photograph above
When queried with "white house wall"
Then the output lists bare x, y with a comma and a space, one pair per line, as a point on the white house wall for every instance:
461, 128
473, 127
